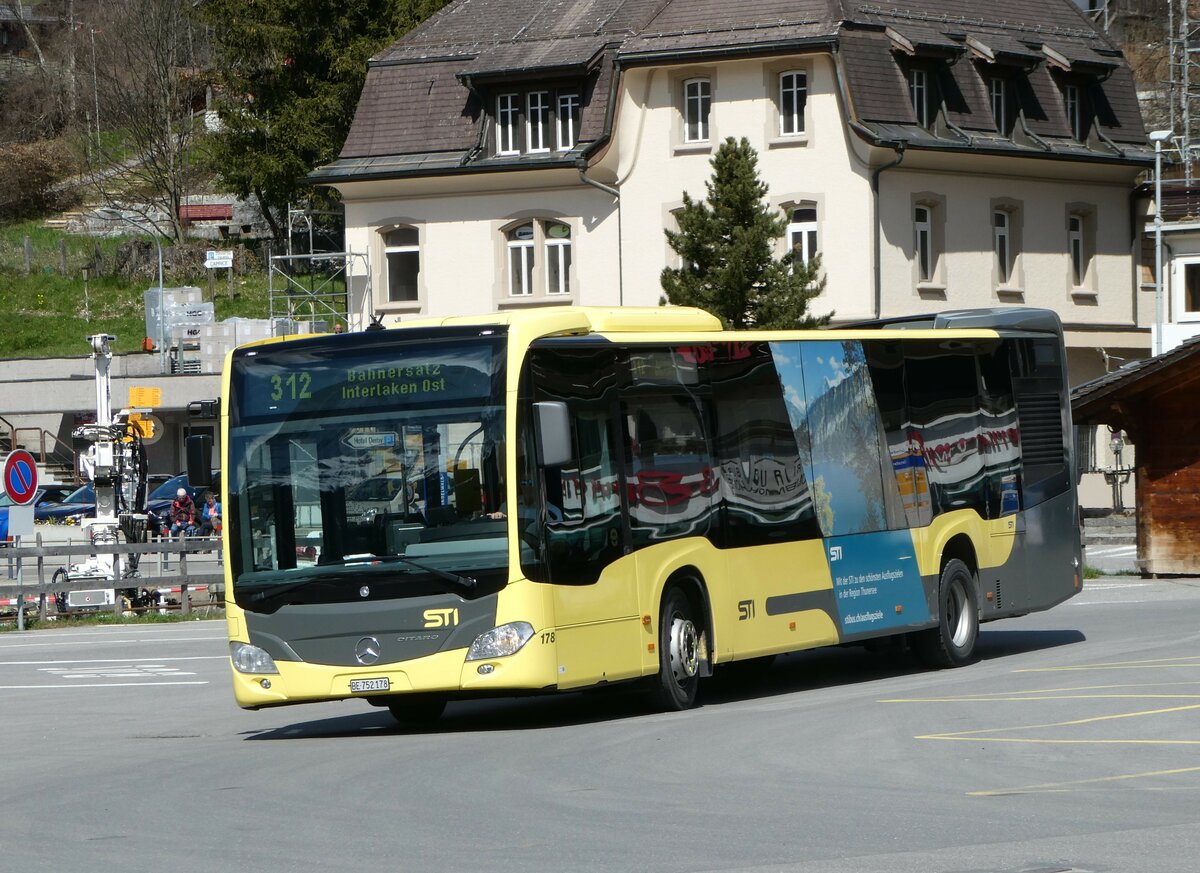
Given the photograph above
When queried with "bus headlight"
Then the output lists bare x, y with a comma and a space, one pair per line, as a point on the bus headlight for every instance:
500, 641
251, 659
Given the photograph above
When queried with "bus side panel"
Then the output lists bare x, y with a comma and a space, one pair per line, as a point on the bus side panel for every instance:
598, 632
1050, 531
774, 598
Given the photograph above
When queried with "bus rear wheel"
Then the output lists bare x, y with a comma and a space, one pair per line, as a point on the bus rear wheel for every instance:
417, 710
952, 642
679, 653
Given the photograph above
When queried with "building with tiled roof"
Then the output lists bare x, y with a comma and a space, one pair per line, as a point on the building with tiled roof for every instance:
945, 154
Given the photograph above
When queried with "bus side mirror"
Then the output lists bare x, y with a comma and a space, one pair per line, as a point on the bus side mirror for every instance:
199, 460
552, 424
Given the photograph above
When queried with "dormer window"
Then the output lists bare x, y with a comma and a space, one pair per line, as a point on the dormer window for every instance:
920, 91
508, 113
998, 91
568, 120
1073, 109
536, 122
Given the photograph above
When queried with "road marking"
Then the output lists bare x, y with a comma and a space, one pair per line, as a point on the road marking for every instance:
98, 685
124, 671
1058, 787
111, 661
974, 735
42, 645
1192, 661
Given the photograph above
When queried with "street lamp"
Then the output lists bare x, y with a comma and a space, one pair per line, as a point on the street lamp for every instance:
1158, 137
109, 214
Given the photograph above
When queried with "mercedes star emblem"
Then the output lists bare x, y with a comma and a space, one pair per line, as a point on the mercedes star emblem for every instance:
366, 651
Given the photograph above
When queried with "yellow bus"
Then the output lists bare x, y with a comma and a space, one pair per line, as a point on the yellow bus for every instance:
564, 498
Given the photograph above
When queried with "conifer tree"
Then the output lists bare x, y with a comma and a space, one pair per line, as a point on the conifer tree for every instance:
726, 243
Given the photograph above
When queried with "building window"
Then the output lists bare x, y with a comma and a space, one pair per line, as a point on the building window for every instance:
923, 228
558, 258
793, 95
520, 260
1074, 113
918, 89
998, 89
1191, 290
1075, 249
802, 233
568, 120
508, 113
537, 121
697, 100
1002, 245
401, 251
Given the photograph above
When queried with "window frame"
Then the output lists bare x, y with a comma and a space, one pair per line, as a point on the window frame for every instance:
799, 105
703, 101
998, 96
538, 122
1073, 107
804, 228
508, 123
918, 93
559, 249
381, 231
1075, 251
1002, 245
528, 255
924, 252
571, 101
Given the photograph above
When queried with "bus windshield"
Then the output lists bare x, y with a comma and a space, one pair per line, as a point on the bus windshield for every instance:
371, 466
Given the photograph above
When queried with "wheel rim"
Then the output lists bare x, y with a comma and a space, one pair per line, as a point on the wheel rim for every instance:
685, 649
958, 619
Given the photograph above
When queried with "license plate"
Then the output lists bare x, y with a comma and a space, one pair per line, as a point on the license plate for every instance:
360, 685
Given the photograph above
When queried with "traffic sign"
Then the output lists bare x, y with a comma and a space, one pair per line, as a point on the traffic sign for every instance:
376, 440
20, 477
218, 260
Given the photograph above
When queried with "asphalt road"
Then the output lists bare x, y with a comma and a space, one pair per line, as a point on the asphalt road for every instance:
1071, 745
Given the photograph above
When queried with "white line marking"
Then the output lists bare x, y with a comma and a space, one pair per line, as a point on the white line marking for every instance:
99, 642
98, 685
110, 661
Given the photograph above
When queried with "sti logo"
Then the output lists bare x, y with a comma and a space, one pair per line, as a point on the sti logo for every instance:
835, 553
441, 617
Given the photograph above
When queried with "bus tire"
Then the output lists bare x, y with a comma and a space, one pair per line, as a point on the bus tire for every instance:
952, 642
417, 710
679, 653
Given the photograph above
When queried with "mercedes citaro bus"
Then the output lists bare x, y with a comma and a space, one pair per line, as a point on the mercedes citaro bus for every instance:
563, 498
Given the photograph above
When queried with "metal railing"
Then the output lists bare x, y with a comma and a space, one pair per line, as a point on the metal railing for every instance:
43, 585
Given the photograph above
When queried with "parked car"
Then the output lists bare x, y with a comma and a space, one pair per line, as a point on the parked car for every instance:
158, 501
46, 496
80, 503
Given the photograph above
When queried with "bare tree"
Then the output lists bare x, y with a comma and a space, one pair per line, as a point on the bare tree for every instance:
147, 90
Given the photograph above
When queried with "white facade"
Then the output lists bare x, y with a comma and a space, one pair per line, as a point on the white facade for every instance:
1067, 224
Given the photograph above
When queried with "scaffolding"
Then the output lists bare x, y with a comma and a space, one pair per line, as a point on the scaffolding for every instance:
311, 293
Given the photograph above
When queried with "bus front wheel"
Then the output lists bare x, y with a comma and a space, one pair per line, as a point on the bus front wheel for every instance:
952, 642
679, 653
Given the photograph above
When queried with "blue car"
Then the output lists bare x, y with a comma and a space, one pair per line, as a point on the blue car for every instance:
44, 498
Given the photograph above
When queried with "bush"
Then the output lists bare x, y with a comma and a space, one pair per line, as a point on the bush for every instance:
28, 173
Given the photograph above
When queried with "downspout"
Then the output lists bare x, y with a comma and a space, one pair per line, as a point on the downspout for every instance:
582, 165
899, 147
1029, 133
872, 138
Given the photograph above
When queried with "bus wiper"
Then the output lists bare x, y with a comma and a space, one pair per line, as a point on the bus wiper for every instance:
467, 583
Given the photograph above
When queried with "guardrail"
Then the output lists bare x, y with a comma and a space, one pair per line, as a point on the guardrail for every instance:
45, 587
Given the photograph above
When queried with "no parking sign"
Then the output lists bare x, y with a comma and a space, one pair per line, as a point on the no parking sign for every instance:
20, 477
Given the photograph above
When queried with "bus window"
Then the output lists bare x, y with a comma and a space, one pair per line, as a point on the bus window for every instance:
854, 485
999, 435
764, 489
885, 359
670, 470
943, 404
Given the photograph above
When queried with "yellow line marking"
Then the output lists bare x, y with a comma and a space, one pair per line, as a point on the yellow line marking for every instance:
975, 734
999, 699
1191, 661
1049, 787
